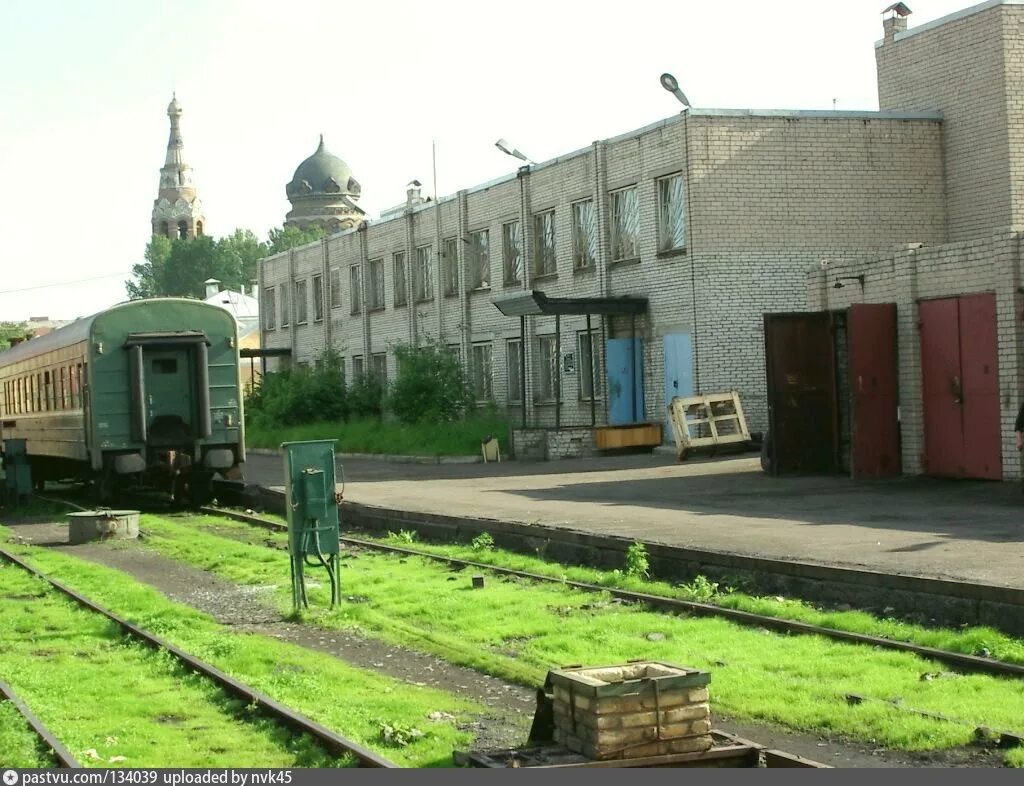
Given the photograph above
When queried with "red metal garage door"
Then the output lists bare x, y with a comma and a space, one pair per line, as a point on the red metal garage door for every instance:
959, 375
979, 362
875, 435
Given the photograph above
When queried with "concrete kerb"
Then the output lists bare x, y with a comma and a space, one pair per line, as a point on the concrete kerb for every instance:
385, 457
934, 600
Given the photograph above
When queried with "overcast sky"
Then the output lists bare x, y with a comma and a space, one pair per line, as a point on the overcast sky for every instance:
85, 88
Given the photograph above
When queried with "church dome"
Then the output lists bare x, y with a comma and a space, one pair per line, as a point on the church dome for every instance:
322, 174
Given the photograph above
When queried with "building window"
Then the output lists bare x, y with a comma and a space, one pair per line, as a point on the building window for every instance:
547, 363
625, 224
422, 276
301, 303
483, 379
355, 288
318, 298
335, 287
401, 291
285, 316
376, 285
588, 351
514, 368
545, 262
480, 259
357, 366
512, 252
451, 266
671, 213
584, 235
269, 308
379, 367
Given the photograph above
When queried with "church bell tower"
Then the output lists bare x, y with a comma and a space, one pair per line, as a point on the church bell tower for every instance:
177, 211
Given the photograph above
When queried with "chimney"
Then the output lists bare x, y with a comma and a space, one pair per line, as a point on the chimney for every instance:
896, 22
254, 291
412, 193
212, 287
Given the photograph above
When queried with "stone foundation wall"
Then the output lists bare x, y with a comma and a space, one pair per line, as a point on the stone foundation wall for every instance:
540, 444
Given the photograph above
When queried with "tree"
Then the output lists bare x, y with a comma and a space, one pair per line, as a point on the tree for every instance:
178, 268
289, 237
11, 330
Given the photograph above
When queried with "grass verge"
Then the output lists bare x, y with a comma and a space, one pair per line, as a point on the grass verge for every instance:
19, 746
352, 701
517, 630
389, 437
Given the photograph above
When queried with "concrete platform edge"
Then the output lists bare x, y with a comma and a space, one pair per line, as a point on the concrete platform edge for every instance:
944, 601
385, 457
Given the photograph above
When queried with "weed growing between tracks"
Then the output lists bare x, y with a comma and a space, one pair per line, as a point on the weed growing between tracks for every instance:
353, 702
126, 703
19, 746
518, 629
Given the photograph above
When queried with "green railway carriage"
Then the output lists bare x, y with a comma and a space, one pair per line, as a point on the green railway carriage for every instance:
147, 392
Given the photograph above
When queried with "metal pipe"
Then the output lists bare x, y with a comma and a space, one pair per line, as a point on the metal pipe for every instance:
558, 371
593, 376
137, 377
632, 362
522, 364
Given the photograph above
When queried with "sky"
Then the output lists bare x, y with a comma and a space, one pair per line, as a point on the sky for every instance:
85, 88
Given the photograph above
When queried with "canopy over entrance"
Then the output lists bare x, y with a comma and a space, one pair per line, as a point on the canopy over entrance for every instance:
534, 303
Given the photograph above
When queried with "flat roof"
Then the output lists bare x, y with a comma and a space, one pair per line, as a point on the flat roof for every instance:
948, 18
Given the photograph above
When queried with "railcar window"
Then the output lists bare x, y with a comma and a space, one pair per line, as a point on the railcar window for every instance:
81, 385
165, 366
37, 393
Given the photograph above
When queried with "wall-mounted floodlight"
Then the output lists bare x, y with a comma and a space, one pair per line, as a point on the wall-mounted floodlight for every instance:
506, 148
671, 84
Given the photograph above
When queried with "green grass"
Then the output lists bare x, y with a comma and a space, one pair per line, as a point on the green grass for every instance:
120, 699
389, 437
517, 630
353, 702
19, 746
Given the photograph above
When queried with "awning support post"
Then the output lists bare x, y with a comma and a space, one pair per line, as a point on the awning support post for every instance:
558, 371
522, 364
593, 375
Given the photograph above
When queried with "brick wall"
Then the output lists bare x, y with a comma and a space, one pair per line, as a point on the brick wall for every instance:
969, 66
767, 197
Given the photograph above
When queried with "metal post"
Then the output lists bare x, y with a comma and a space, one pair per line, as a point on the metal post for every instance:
593, 376
632, 361
558, 371
522, 364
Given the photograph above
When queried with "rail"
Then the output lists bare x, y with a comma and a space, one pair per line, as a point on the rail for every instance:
333, 742
61, 754
974, 663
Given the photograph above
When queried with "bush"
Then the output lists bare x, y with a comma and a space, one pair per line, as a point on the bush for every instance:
295, 396
431, 385
365, 397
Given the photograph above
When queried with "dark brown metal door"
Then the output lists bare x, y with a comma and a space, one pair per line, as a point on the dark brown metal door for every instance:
800, 366
942, 387
979, 363
874, 390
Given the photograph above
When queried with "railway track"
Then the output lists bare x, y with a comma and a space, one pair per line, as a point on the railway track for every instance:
969, 663
331, 741
60, 754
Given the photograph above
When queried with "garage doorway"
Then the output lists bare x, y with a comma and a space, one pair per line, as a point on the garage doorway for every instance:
960, 387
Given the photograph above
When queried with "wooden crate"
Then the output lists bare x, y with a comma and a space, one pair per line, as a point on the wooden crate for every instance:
633, 435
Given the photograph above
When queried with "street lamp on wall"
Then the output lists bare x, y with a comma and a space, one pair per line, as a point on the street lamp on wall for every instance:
839, 281
671, 84
508, 149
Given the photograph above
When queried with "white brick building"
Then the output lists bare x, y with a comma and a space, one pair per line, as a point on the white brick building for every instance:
715, 216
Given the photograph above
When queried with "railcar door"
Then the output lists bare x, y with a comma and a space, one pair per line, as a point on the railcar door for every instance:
169, 395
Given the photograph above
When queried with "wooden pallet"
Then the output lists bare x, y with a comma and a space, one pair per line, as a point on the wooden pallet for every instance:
728, 751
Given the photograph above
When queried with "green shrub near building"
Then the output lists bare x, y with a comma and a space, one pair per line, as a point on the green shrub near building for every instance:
426, 411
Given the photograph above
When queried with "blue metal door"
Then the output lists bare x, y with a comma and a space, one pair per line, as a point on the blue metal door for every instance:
625, 380
678, 370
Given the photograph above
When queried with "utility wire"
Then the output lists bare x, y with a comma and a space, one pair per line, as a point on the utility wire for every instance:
64, 283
